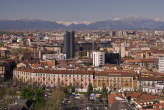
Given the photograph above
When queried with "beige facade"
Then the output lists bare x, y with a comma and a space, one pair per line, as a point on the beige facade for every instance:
118, 82
78, 79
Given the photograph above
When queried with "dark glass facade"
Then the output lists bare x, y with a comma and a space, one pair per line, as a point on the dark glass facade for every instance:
69, 45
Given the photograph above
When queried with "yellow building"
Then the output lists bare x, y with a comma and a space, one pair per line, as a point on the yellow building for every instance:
119, 80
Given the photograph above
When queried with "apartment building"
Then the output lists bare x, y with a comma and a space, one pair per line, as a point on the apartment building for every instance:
161, 64
53, 78
116, 80
78, 78
98, 58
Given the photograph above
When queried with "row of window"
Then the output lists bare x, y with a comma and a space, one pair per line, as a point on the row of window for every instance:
50, 75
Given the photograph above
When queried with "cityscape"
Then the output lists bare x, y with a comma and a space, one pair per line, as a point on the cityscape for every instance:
86, 63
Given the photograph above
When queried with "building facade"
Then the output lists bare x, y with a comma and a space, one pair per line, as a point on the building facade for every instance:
79, 79
98, 58
69, 45
60, 56
54, 78
161, 64
6, 69
152, 85
113, 58
116, 80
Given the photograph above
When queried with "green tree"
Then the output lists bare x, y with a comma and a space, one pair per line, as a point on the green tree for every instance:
54, 101
163, 90
36, 94
104, 91
24, 93
70, 88
39, 95
90, 89
33, 94
156, 102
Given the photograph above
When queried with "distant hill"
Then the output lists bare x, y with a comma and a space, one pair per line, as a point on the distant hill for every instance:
29, 25
120, 24
128, 23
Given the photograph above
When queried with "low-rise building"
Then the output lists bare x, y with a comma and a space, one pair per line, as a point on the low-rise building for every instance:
151, 82
53, 78
54, 56
116, 80
78, 78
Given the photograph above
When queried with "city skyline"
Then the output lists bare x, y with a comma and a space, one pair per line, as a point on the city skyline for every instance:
76, 10
81, 54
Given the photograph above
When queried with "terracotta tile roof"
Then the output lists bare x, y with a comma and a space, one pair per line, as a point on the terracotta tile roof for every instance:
134, 94
54, 71
144, 97
91, 72
151, 76
151, 79
50, 63
149, 60
111, 98
133, 61
140, 60
158, 51
35, 65
116, 72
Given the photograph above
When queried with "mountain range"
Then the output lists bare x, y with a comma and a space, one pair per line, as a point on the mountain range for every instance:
115, 24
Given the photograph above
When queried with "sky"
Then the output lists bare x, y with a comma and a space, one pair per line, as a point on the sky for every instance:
80, 10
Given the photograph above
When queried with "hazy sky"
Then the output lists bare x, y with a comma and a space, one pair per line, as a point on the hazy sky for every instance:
80, 10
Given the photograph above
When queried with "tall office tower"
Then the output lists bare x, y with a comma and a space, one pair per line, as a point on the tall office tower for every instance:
69, 44
161, 64
98, 58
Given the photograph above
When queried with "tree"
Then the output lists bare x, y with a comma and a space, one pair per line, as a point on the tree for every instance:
70, 87
163, 90
24, 92
54, 101
104, 91
90, 89
39, 95
36, 94
156, 102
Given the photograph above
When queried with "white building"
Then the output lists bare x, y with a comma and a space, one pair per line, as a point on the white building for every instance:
98, 58
161, 64
122, 50
60, 56
152, 85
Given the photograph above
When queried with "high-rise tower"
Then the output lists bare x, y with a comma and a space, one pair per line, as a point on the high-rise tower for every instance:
69, 44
